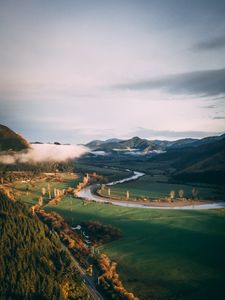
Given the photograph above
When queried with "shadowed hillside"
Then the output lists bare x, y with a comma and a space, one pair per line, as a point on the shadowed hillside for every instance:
205, 163
9, 140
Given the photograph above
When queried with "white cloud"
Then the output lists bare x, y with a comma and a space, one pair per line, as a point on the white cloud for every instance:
44, 153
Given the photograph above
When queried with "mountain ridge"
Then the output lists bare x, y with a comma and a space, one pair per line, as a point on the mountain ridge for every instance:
203, 163
143, 144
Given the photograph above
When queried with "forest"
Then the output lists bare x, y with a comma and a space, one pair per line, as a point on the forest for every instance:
33, 263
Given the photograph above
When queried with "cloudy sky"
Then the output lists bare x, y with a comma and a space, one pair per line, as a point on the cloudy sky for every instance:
74, 71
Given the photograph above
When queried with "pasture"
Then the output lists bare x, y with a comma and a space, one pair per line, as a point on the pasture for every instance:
158, 186
163, 253
29, 192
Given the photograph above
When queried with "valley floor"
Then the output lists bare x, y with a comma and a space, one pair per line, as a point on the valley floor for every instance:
162, 254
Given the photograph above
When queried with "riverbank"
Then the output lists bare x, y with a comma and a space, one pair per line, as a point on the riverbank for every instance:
90, 193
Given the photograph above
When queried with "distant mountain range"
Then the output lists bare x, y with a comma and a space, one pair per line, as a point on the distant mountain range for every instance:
145, 146
200, 161
9, 140
193, 159
197, 160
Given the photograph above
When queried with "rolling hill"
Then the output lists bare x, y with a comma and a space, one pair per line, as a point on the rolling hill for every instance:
9, 140
205, 163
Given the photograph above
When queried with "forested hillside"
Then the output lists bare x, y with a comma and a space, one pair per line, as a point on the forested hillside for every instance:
9, 140
33, 264
205, 163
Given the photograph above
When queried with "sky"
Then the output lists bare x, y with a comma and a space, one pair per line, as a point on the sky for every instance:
74, 71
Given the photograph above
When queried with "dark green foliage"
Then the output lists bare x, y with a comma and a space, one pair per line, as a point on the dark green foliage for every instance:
100, 233
33, 263
205, 163
50, 166
11, 140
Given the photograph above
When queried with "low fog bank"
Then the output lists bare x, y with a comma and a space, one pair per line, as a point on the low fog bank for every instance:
43, 153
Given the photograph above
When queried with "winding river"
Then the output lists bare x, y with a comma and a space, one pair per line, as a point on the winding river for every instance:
89, 193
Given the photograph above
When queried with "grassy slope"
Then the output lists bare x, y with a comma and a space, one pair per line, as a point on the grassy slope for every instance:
162, 252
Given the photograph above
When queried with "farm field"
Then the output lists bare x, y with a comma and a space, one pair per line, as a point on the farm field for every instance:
157, 186
156, 183
29, 193
162, 253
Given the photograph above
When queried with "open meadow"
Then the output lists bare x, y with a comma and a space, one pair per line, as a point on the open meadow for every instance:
163, 253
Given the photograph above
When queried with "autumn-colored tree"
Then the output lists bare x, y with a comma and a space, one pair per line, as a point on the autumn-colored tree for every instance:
43, 191
172, 195
49, 191
109, 280
40, 201
181, 193
194, 193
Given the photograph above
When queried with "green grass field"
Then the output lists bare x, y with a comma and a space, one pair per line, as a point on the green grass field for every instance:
157, 186
162, 253
31, 198
69, 180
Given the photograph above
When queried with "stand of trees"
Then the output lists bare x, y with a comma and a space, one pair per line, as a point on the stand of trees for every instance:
99, 233
50, 166
110, 282
33, 263
70, 238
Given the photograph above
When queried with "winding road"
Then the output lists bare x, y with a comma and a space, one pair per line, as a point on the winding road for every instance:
89, 193
87, 280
